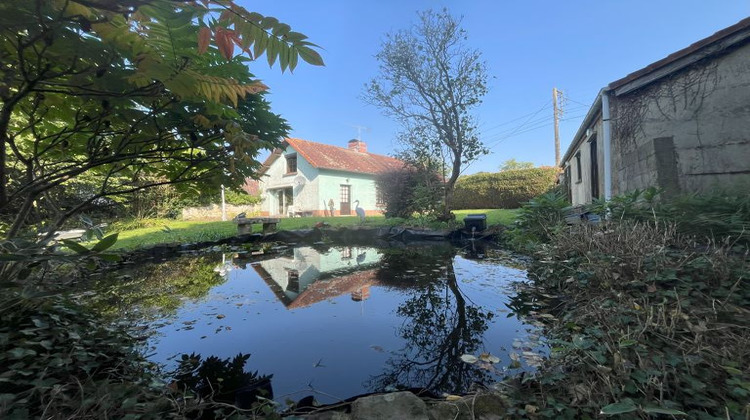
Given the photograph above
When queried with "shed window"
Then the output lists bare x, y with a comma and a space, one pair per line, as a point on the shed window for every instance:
578, 167
291, 164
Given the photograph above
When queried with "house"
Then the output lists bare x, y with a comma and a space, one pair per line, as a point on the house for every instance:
681, 124
308, 276
302, 177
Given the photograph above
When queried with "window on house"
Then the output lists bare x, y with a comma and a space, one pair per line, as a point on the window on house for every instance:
292, 277
578, 167
291, 164
379, 200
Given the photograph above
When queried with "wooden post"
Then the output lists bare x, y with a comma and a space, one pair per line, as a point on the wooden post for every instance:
556, 113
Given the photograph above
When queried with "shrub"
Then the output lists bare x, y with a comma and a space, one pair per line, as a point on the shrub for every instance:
60, 361
238, 198
538, 220
506, 189
409, 190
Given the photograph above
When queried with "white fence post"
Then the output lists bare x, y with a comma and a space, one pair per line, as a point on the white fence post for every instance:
223, 205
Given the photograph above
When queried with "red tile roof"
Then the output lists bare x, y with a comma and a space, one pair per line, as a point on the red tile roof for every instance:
716, 37
325, 156
329, 289
319, 291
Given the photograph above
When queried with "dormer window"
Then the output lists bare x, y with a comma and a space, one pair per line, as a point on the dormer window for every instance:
291, 164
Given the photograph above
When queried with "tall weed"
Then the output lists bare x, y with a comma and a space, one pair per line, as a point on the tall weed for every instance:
649, 321
717, 216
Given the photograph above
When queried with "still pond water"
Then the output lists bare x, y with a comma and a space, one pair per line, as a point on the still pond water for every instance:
339, 321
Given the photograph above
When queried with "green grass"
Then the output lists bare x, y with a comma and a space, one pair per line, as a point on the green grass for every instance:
165, 231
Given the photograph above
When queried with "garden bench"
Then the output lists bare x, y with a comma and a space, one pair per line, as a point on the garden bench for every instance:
71, 234
245, 224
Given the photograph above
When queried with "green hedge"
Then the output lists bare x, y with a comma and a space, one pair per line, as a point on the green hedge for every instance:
506, 189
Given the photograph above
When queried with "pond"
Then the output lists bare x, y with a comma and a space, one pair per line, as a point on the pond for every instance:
337, 321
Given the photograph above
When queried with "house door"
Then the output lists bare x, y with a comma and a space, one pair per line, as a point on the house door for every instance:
346, 200
285, 199
594, 169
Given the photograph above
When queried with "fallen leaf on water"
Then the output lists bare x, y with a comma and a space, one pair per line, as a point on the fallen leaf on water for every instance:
468, 358
452, 397
220, 316
486, 357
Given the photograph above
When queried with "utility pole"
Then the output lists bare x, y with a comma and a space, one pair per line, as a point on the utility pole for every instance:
557, 113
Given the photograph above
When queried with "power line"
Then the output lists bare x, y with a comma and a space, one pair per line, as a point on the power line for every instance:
499, 139
534, 113
528, 120
530, 124
486, 131
519, 127
577, 102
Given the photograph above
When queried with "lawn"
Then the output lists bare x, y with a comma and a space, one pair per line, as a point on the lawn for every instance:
504, 217
161, 231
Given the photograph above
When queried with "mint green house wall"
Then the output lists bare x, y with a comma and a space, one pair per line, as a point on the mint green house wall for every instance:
309, 265
312, 188
362, 188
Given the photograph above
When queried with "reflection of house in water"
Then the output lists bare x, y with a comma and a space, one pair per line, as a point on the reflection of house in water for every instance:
308, 276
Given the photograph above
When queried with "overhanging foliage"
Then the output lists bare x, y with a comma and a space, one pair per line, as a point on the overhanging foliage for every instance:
133, 94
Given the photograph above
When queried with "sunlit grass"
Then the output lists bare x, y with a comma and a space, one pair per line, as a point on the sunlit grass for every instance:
167, 231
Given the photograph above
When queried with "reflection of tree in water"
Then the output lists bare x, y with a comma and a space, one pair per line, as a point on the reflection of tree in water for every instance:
155, 289
439, 325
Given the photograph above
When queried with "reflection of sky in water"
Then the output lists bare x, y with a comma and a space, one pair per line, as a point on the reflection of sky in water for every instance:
332, 342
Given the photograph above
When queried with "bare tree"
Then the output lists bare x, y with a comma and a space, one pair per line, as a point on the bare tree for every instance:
429, 81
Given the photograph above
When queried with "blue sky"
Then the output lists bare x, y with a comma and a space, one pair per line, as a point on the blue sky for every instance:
529, 46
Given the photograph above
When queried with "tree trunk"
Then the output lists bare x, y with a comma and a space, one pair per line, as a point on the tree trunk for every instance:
20, 217
4, 122
449, 186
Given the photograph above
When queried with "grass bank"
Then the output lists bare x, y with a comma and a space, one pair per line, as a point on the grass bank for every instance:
143, 233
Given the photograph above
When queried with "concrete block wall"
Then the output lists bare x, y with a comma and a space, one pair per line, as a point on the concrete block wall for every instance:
705, 111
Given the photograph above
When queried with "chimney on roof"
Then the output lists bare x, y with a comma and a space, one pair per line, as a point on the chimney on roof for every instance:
358, 146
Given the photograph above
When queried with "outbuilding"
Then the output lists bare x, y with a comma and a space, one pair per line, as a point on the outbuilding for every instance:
681, 124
